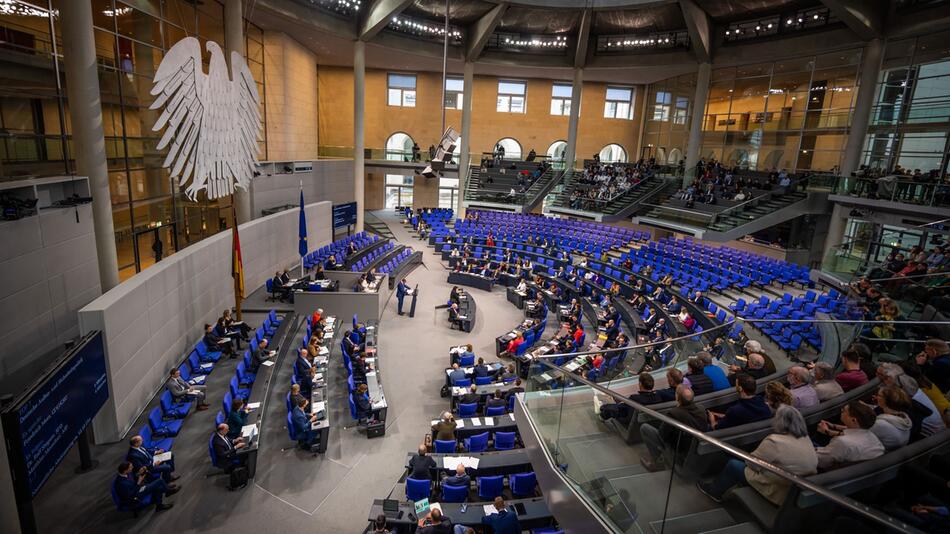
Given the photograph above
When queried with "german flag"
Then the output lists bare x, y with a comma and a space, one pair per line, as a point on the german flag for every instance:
237, 264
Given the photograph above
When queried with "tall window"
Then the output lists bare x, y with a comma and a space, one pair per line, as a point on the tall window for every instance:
511, 96
454, 88
402, 90
613, 153
618, 103
399, 147
448, 192
561, 99
512, 147
398, 190
680, 110
661, 108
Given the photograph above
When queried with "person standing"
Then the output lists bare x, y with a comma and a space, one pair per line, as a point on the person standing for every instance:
402, 289
157, 248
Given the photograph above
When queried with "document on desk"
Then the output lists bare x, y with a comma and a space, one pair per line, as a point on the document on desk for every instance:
248, 431
489, 421
319, 406
163, 457
451, 462
459, 423
469, 462
371, 328
476, 422
267, 363
323, 351
512, 416
253, 405
327, 335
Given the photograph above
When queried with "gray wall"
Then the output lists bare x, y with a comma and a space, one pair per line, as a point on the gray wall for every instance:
152, 320
49, 271
330, 179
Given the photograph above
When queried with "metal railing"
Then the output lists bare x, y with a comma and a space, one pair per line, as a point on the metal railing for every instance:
927, 193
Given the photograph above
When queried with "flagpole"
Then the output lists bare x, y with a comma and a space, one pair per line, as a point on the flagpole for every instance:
301, 209
234, 285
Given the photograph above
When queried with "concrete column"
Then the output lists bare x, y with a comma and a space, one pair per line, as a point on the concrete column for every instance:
696, 122
234, 39
836, 226
85, 111
468, 87
571, 150
870, 70
359, 91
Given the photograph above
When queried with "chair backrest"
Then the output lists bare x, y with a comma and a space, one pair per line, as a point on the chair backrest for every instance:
416, 489
226, 402
146, 433
490, 487
214, 457
290, 426
445, 446
462, 383
155, 418
482, 380
466, 361
454, 493
523, 484
505, 440
166, 401
467, 410
478, 442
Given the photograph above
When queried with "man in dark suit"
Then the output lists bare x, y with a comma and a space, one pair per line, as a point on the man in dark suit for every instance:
517, 388
504, 521
302, 365
496, 400
284, 277
401, 291
215, 343
611, 330
454, 315
182, 391
261, 354
226, 450
131, 487
460, 478
141, 456
481, 370
471, 397
302, 420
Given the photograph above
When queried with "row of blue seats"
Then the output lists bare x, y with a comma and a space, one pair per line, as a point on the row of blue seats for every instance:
522, 485
369, 258
165, 421
393, 264
338, 249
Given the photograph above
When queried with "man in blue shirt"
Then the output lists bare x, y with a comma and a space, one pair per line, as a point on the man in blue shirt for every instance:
715, 373
749, 409
456, 374
504, 521
460, 478
301, 420
131, 488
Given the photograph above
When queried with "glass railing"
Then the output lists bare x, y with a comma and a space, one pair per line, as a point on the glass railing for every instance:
649, 483
925, 193
346, 152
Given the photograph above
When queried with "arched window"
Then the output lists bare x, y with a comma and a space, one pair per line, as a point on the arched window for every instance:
399, 147
675, 156
660, 154
613, 153
511, 146
556, 150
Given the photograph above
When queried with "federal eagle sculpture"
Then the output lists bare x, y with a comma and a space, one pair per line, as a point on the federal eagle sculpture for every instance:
211, 121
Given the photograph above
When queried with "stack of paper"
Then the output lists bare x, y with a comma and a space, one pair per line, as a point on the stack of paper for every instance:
476, 421
460, 423
253, 405
490, 509
267, 363
163, 457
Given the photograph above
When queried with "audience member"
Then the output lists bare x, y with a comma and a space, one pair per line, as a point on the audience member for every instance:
698, 381
825, 384
748, 409
713, 371
659, 439
787, 447
892, 426
755, 367
934, 361
851, 376
776, 394
851, 441
803, 394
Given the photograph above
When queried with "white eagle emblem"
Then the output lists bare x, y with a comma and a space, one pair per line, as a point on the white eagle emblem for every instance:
213, 119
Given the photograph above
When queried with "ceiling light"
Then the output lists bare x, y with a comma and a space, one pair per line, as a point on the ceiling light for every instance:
769, 26
758, 27
789, 22
816, 16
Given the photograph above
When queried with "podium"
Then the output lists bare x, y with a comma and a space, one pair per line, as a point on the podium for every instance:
412, 306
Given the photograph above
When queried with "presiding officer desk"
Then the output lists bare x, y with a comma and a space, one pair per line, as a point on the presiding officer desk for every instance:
467, 427
536, 513
374, 380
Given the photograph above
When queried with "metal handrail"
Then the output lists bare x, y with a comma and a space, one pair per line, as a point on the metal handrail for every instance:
842, 500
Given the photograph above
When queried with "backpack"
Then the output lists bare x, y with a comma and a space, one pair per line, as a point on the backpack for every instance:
238, 479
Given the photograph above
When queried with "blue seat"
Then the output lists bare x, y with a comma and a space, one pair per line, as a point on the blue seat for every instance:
463, 383
454, 493
236, 390
477, 443
490, 487
467, 410
160, 427
197, 367
505, 441
467, 361
244, 376
416, 489
523, 484
218, 419
291, 431
226, 402
154, 443
482, 380
205, 354
172, 410
494, 411
445, 446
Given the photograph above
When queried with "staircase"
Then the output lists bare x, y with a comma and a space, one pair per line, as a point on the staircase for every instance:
492, 188
540, 188
620, 207
734, 222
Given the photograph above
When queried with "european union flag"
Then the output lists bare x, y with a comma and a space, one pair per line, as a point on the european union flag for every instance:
303, 228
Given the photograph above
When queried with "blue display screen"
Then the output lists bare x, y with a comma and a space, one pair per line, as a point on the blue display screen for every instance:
344, 214
57, 410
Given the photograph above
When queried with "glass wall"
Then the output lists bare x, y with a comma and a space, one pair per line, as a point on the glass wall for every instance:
791, 114
909, 121
398, 191
131, 39
448, 192
666, 128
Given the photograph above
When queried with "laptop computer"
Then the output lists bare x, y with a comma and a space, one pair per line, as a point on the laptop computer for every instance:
391, 508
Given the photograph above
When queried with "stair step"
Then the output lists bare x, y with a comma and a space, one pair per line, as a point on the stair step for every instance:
699, 522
